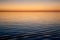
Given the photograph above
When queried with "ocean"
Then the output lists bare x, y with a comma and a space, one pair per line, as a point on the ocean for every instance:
29, 25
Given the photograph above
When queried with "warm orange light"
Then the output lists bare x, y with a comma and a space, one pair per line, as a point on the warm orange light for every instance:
30, 17
19, 7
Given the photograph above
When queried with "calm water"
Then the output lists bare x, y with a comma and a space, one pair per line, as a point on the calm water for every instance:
30, 25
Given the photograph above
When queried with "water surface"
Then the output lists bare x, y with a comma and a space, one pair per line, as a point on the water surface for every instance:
46, 23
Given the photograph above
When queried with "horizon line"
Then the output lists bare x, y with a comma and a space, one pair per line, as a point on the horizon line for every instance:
31, 11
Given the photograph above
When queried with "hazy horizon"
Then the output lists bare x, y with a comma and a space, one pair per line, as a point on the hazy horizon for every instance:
29, 5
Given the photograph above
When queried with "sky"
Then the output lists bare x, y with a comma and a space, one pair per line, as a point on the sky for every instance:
18, 5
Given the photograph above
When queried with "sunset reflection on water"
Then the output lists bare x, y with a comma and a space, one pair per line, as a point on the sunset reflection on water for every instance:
30, 25
16, 18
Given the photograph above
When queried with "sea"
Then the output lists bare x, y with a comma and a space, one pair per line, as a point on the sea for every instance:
29, 25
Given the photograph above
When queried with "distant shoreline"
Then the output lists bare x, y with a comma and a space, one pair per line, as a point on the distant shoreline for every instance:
33, 11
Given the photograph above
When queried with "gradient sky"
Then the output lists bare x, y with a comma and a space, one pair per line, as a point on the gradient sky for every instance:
29, 5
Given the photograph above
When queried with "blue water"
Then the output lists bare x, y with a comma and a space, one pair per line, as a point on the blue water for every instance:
30, 29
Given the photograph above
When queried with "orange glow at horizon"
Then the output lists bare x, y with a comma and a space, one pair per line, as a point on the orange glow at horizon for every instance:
29, 6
